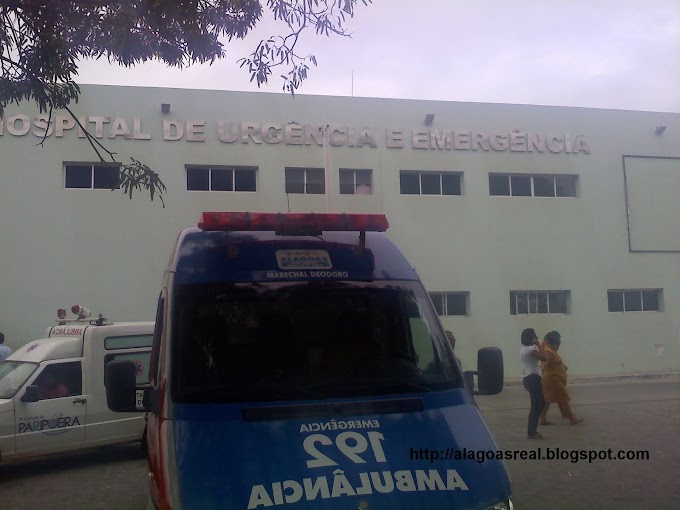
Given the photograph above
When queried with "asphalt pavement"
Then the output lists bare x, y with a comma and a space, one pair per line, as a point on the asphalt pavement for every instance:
637, 416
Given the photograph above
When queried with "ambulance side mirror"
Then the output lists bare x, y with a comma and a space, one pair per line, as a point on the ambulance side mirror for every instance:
31, 395
121, 386
489, 372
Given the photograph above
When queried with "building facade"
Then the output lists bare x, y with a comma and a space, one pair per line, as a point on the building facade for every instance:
514, 216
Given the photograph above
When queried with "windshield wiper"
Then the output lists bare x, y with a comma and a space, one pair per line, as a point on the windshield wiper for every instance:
367, 387
252, 393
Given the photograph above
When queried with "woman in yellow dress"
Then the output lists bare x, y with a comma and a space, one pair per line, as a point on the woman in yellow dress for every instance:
555, 380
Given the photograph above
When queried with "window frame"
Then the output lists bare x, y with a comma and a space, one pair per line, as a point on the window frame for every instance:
93, 167
528, 294
38, 374
354, 172
444, 295
108, 347
158, 337
305, 181
532, 177
440, 174
232, 169
124, 354
622, 294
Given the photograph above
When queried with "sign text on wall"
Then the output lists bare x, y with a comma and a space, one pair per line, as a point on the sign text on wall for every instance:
272, 133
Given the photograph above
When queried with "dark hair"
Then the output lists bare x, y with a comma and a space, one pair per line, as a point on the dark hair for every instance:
2, 338
528, 336
553, 338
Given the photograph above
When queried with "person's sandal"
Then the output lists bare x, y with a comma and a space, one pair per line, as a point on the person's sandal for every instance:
577, 421
535, 436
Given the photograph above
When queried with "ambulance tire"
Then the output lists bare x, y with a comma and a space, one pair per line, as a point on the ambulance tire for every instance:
143, 444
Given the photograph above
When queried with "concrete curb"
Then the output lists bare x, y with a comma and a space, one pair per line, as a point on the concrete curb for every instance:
645, 376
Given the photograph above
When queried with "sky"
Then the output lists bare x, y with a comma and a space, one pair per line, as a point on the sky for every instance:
617, 54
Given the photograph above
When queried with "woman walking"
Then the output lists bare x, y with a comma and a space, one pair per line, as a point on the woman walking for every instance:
555, 380
531, 355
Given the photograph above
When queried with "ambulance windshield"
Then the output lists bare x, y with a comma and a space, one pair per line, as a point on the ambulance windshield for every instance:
306, 341
13, 375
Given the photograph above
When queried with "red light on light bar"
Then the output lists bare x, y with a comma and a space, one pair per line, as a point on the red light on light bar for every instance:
293, 223
80, 311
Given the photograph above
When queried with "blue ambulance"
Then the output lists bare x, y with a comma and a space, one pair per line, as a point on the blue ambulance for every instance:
298, 363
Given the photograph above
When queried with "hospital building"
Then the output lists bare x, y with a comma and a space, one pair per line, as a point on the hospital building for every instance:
514, 216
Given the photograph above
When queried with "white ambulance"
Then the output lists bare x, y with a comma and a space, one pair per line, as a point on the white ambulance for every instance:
52, 392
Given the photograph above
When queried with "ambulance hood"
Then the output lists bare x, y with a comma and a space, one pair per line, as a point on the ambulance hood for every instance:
49, 348
252, 457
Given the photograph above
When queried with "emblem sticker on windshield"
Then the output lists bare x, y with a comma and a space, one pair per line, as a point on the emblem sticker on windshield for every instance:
303, 259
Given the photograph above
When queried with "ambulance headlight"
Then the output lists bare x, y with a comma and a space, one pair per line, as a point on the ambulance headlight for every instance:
80, 311
505, 505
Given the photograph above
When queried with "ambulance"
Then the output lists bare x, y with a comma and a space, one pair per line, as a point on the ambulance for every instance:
52, 395
299, 363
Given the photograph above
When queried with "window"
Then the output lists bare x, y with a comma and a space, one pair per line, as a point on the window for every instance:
499, 185
309, 181
221, 178
532, 185
450, 303
565, 185
154, 364
356, 182
430, 183
539, 301
60, 380
128, 342
634, 300
273, 341
13, 375
141, 359
520, 186
88, 176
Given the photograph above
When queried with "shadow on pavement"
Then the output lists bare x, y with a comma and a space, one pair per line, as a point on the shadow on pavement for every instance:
70, 461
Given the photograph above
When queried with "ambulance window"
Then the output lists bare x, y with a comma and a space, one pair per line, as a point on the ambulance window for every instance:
13, 375
127, 342
60, 380
421, 338
299, 341
154, 365
141, 360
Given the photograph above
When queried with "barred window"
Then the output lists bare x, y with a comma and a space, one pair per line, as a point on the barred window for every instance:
218, 178
634, 300
356, 182
539, 301
430, 183
524, 185
91, 176
308, 181
451, 303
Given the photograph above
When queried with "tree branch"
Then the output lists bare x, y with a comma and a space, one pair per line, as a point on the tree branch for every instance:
42, 42
47, 130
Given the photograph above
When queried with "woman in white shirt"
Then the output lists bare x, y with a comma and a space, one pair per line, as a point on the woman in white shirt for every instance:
531, 355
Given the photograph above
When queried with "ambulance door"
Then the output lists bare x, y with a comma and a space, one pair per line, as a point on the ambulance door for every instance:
104, 424
56, 421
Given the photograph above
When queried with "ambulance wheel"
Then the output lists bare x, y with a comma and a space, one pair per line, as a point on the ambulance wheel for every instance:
143, 443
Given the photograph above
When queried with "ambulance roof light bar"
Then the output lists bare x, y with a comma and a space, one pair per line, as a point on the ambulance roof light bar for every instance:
82, 313
293, 223
83, 316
